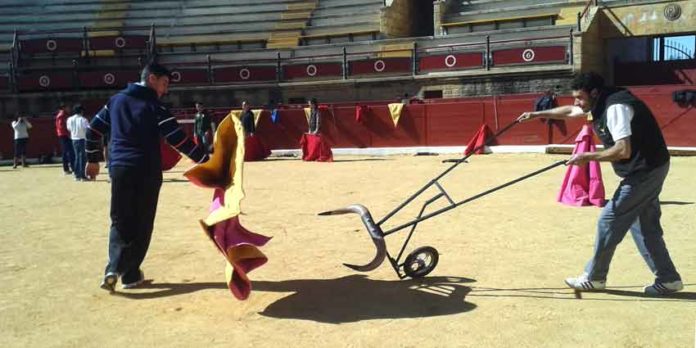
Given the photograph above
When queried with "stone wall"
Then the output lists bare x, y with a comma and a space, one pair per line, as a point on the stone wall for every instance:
602, 24
397, 19
652, 19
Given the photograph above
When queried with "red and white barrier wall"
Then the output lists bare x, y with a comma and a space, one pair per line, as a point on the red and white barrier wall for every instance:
443, 122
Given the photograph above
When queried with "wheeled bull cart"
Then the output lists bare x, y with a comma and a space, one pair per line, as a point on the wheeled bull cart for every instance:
422, 260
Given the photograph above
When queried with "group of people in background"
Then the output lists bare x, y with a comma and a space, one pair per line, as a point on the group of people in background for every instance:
72, 130
204, 128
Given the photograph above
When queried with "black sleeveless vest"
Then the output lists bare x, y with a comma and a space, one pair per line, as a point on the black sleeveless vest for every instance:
648, 148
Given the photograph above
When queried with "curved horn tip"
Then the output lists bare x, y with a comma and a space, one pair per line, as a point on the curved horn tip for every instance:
339, 211
380, 255
353, 208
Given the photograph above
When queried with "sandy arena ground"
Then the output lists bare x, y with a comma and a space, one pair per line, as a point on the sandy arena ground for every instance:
499, 282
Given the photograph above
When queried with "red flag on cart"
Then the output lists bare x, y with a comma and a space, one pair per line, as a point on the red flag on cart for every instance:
478, 140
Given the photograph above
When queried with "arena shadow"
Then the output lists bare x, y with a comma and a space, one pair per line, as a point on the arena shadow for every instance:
167, 289
637, 291
356, 298
618, 293
342, 300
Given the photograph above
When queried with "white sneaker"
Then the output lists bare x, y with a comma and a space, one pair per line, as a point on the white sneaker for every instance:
581, 283
135, 283
664, 288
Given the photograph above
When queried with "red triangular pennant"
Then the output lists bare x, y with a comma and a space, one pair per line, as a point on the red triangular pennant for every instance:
478, 141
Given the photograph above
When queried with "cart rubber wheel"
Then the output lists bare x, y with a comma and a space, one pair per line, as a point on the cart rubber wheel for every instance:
421, 261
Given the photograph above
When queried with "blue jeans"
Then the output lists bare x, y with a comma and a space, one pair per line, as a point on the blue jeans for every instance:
80, 158
203, 142
636, 207
68, 154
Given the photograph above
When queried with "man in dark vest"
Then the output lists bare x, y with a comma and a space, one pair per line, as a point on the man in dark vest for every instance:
634, 145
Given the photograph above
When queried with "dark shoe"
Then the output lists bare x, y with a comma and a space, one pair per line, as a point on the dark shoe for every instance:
109, 282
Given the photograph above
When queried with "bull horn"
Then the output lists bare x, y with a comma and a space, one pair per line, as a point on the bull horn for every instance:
372, 228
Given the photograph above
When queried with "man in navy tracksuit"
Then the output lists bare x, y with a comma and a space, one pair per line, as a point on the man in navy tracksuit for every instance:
135, 120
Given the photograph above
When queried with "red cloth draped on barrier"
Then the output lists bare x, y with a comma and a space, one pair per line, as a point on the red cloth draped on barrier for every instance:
315, 148
254, 150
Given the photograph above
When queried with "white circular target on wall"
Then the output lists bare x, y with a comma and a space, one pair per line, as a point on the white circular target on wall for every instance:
109, 78
450, 61
176, 76
44, 81
311, 70
244, 74
120, 42
380, 65
51, 45
528, 55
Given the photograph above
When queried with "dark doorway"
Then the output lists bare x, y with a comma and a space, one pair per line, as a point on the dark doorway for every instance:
423, 18
432, 94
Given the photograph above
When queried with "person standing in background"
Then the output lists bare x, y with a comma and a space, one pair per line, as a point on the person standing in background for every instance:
21, 128
202, 124
64, 138
248, 120
314, 117
77, 125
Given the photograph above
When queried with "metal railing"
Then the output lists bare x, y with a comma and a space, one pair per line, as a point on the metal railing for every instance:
485, 47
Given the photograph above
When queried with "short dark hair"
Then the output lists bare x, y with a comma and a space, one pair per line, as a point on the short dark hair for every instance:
61, 104
77, 109
313, 101
587, 82
154, 69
